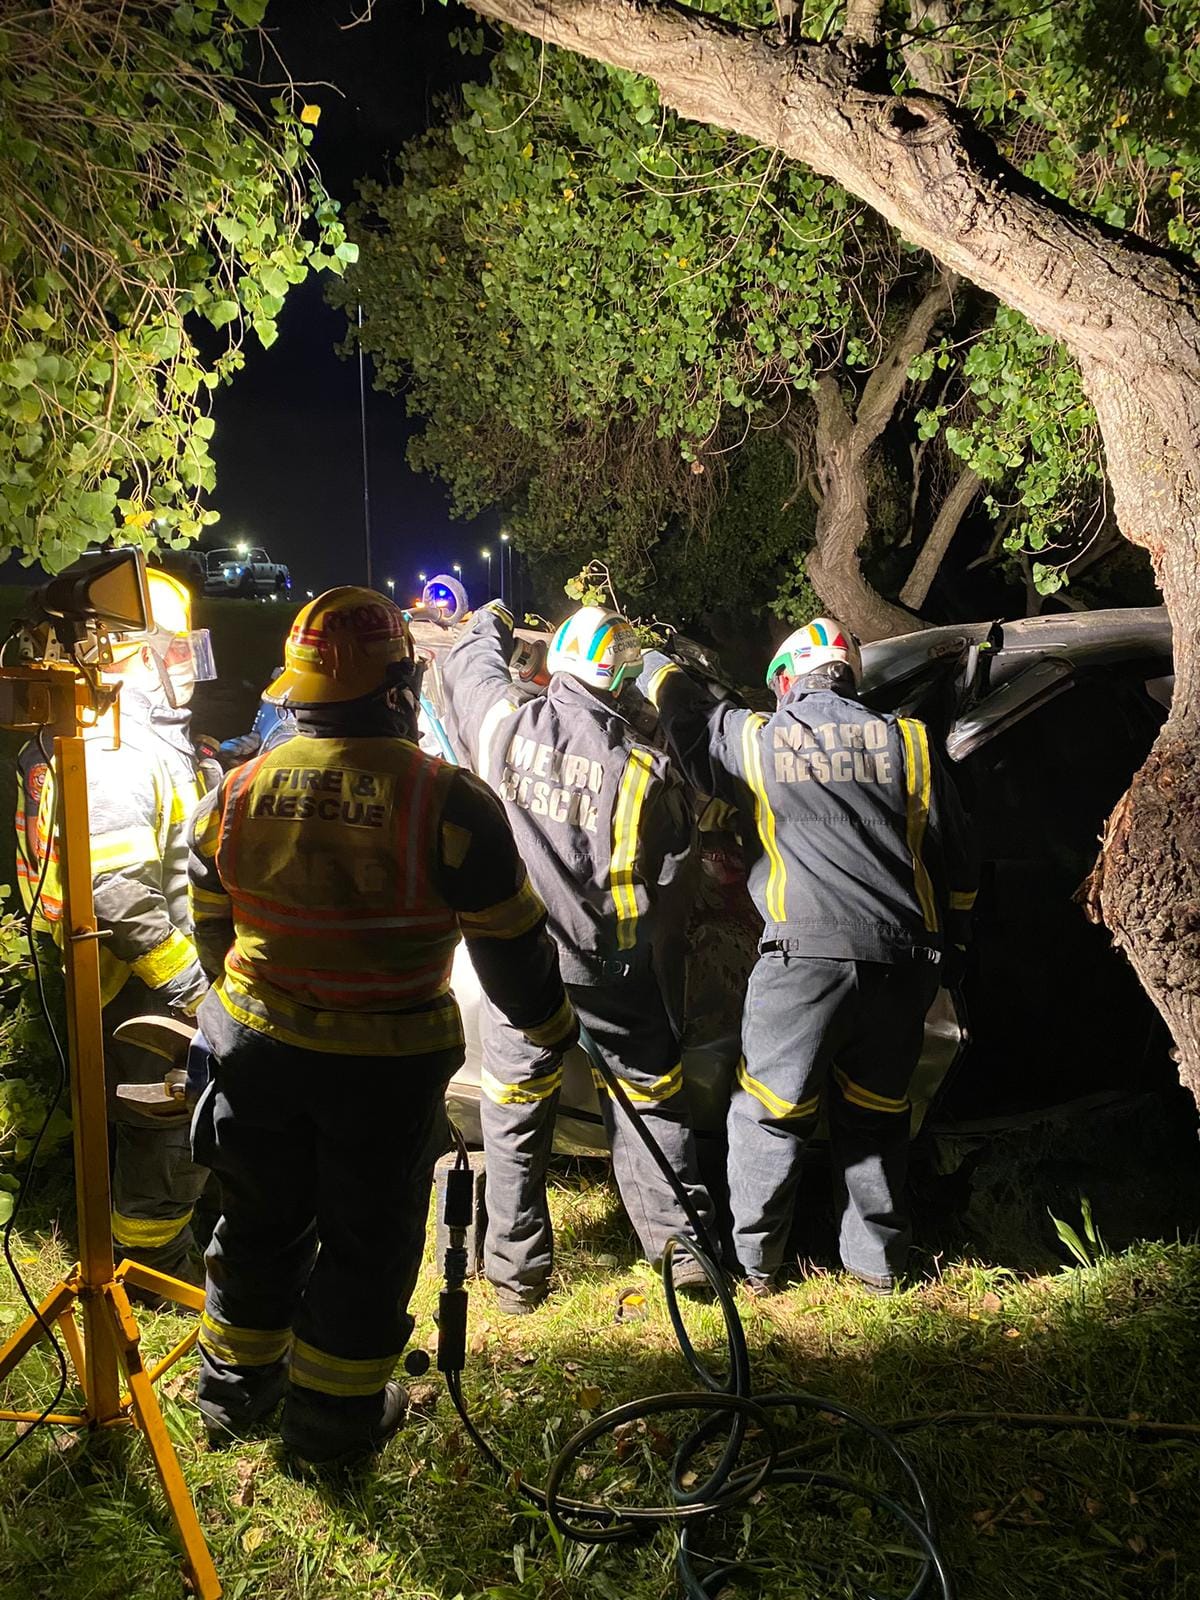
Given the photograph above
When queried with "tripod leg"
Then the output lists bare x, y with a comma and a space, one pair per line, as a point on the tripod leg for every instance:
144, 1402
183, 1294
73, 1339
60, 1299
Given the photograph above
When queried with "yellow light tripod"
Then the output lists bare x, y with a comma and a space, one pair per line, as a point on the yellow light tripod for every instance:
91, 1308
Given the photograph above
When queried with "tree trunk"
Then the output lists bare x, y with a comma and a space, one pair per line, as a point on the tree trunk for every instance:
835, 566
843, 447
946, 524
1126, 313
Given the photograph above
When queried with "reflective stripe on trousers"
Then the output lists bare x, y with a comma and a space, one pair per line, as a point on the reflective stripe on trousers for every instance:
846, 1035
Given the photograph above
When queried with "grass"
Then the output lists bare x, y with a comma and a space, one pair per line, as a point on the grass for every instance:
1026, 1513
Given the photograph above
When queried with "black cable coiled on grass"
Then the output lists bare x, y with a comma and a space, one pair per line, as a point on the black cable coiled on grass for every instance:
734, 1409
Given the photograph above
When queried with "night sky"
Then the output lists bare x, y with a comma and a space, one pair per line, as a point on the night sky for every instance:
288, 444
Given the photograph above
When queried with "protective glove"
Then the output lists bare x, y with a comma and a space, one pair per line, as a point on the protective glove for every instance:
232, 752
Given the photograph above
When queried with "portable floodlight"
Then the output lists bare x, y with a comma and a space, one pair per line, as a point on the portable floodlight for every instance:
74, 620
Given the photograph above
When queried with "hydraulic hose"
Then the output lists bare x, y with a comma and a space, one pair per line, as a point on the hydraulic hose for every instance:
734, 1414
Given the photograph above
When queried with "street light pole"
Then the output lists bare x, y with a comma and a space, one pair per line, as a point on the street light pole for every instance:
505, 590
362, 414
487, 556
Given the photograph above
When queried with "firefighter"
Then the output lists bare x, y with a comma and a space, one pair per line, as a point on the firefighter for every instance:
604, 825
332, 877
864, 878
144, 782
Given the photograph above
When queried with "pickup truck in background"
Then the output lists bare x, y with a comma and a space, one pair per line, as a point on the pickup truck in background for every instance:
248, 573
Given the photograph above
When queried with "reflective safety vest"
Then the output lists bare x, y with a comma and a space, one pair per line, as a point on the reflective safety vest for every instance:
141, 795
328, 850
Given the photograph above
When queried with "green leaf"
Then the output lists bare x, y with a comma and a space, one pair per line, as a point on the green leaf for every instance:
222, 312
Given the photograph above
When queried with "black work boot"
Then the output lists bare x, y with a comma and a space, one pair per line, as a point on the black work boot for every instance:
233, 1411
326, 1431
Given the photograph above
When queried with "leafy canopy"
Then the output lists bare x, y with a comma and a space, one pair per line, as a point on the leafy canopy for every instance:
146, 202
595, 305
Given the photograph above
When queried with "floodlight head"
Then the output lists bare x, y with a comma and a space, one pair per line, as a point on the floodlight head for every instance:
107, 590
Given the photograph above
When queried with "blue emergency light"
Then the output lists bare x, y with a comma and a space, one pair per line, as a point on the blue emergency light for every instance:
446, 595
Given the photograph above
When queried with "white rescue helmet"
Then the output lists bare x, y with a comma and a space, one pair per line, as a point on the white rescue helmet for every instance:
596, 646
820, 643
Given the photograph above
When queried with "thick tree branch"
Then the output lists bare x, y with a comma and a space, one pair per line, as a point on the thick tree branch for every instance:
835, 563
929, 61
886, 383
864, 23
950, 514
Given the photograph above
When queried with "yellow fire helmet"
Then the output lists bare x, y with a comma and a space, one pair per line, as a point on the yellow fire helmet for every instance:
171, 633
341, 647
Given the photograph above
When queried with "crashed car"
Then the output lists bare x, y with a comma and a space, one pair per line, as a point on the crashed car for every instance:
1044, 721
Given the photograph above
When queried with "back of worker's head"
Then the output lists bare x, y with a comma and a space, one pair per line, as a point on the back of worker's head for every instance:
349, 651
598, 647
822, 653
168, 659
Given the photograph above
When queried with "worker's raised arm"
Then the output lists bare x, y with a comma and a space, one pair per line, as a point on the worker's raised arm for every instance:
706, 736
124, 814
212, 914
500, 917
478, 686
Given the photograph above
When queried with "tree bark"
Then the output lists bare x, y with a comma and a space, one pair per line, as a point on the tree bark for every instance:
1126, 312
945, 525
834, 565
843, 446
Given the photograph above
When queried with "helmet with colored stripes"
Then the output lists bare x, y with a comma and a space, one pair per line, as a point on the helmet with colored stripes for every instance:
343, 645
596, 646
820, 643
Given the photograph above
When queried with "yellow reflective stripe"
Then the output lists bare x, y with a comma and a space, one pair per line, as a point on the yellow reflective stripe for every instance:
775, 1104
147, 1232
529, 1093
209, 901
244, 1347
184, 802
655, 684
764, 818
961, 900
338, 1375
487, 732
867, 1099
456, 842
368, 1033
635, 780
507, 920
651, 1094
917, 779
166, 961
554, 1029
123, 847
208, 833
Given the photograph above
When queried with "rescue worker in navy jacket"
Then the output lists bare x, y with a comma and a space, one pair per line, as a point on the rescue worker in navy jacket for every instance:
332, 877
605, 829
864, 878
143, 786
